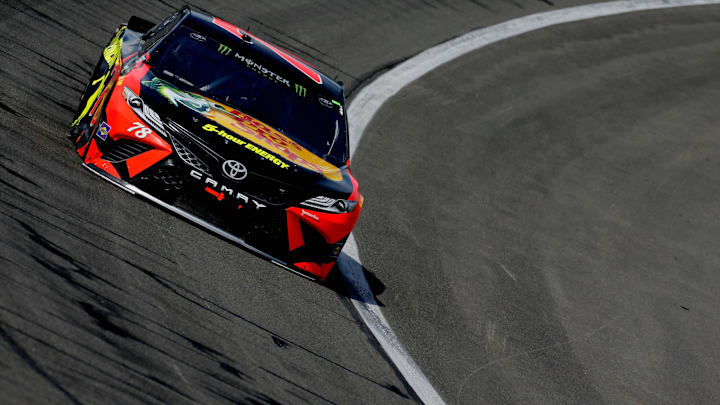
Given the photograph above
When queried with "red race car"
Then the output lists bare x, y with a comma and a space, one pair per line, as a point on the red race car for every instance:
226, 130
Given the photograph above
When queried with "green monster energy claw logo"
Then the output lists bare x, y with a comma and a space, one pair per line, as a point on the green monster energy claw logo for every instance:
300, 90
224, 49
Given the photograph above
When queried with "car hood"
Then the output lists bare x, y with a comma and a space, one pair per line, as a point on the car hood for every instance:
220, 132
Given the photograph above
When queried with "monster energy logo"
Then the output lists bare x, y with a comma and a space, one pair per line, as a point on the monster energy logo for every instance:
300, 90
224, 49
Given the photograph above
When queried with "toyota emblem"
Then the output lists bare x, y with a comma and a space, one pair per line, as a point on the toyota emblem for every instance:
234, 170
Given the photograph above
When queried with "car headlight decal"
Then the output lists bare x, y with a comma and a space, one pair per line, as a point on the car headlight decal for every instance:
327, 204
143, 111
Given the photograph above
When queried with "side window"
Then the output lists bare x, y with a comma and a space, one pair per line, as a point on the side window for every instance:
159, 31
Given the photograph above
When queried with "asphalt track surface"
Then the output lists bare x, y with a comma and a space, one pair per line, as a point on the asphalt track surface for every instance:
555, 197
540, 221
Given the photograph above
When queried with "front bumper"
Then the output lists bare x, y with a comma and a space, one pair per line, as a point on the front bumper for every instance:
282, 236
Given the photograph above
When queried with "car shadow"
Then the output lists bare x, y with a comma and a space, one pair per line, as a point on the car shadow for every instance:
348, 281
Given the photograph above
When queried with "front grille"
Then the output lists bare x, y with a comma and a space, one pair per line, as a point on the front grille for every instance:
268, 229
183, 140
194, 152
269, 191
165, 178
124, 149
188, 157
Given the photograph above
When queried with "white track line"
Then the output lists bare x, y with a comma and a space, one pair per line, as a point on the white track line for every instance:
368, 101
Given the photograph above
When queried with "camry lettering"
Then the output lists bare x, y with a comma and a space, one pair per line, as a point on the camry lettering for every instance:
224, 190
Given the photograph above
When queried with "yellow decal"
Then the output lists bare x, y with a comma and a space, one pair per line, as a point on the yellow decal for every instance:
249, 146
256, 131
247, 127
111, 54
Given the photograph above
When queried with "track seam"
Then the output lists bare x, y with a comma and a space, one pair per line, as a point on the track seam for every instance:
370, 99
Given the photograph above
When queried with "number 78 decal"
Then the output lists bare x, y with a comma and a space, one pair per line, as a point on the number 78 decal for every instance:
140, 130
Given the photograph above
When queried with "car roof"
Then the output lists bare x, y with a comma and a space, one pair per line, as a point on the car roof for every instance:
289, 64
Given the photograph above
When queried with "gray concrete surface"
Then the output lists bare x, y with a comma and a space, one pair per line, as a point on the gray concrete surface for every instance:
544, 214
106, 299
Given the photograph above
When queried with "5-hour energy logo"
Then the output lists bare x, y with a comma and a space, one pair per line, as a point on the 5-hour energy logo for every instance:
249, 146
242, 125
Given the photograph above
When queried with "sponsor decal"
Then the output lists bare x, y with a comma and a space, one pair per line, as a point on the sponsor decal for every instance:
300, 90
276, 142
222, 192
249, 146
273, 144
103, 131
224, 49
197, 37
240, 33
234, 170
111, 54
139, 130
325, 103
176, 96
262, 70
340, 107
309, 215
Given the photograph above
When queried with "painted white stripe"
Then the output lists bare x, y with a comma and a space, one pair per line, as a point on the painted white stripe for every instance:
368, 101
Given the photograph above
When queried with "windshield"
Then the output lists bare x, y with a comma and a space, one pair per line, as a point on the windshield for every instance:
202, 65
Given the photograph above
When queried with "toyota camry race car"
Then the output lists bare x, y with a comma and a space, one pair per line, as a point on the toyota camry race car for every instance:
226, 130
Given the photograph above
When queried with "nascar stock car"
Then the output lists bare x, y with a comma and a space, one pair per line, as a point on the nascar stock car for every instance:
226, 130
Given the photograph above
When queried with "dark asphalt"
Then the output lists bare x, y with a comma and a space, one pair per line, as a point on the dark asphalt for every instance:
107, 299
544, 214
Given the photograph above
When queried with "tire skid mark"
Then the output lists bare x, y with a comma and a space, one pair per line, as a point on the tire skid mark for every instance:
57, 23
132, 370
40, 77
481, 4
67, 75
290, 37
197, 300
65, 273
63, 229
93, 367
78, 220
30, 361
9, 109
102, 317
316, 395
176, 288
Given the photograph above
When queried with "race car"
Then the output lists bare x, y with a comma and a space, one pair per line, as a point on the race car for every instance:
226, 130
